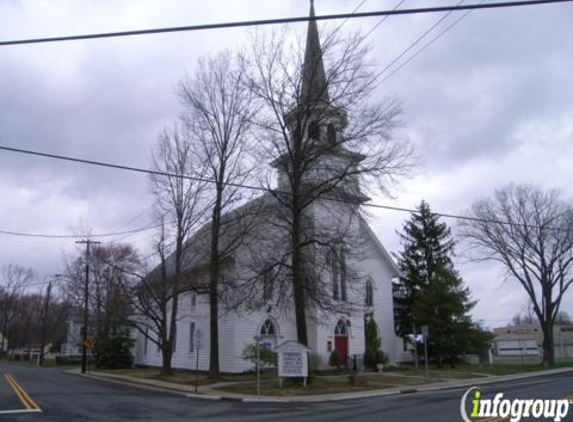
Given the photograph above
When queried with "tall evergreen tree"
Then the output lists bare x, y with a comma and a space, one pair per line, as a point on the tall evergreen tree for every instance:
428, 245
431, 291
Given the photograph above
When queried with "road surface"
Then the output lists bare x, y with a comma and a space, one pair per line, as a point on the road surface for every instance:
64, 397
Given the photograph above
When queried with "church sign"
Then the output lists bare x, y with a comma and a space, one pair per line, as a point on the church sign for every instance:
292, 359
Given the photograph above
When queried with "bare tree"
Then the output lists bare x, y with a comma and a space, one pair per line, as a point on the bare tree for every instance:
530, 232
219, 109
181, 203
14, 279
526, 316
327, 140
108, 307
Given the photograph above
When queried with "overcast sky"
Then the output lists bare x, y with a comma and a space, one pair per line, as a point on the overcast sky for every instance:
489, 102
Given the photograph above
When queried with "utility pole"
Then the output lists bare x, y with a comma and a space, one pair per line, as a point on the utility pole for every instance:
45, 324
86, 242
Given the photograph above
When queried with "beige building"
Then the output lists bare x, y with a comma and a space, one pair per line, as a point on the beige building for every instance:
524, 342
3, 343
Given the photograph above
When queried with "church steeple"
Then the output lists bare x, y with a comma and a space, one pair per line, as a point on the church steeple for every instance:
314, 85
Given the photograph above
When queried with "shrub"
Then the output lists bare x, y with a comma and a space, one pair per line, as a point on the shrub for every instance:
314, 362
373, 354
381, 357
335, 360
113, 352
267, 357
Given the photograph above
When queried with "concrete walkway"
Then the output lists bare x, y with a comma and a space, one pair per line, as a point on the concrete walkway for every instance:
208, 392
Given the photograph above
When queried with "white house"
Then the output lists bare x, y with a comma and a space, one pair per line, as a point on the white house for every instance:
340, 328
73, 345
3, 343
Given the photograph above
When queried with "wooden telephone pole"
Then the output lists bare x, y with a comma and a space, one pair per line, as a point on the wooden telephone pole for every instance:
87, 242
45, 324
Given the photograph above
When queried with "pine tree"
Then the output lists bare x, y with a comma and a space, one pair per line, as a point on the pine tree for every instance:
427, 246
432, 292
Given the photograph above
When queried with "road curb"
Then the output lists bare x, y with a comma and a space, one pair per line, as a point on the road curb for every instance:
181, 390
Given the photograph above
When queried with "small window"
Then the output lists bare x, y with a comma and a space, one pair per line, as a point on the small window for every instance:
313, 130
268, 329
194, 299
145, 341
174, 334
369, 293
337, 262
191, 337
340, 329
331, 134
335, 276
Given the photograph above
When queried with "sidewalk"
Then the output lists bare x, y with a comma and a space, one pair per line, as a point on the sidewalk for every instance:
208, 392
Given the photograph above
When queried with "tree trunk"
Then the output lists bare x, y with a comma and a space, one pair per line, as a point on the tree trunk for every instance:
214, 270
298, 281
548, 345
166, 355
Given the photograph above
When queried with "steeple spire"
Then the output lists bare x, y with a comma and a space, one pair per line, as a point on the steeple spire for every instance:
314, 86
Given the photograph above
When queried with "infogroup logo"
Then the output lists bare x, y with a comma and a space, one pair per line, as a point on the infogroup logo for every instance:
515, 409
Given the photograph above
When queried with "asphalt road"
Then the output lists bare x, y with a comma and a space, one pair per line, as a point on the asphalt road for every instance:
65, 397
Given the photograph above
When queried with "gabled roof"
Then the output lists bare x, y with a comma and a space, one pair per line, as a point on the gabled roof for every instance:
379, 247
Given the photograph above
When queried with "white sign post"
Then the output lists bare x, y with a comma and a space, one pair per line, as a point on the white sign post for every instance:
292, 360
197, 348
425, 333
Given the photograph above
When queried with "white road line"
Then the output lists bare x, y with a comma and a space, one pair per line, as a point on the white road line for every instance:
4, 412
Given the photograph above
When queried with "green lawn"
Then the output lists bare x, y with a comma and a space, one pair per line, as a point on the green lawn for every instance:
475, 371
326, 385
400, 378
185, 377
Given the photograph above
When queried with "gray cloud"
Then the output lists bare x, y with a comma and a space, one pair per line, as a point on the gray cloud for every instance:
491, 101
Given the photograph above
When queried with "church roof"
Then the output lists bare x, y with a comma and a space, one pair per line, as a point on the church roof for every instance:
314, 83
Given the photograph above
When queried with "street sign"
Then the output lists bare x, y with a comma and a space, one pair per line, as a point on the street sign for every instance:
425, 331
89, 343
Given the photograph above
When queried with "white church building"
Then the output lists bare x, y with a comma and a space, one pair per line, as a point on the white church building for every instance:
338, 329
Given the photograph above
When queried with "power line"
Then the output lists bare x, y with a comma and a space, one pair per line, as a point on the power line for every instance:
123, 167
400, 3
425, 46
71, 236
278, 21
243, 186
416, 41
346, 20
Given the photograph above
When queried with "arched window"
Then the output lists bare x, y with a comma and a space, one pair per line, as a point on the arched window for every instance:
337, 262
313, 130
341, 329
331, 134
268, 328
369, 300
269, 334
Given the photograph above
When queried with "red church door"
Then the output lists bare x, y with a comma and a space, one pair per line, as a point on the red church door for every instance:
341, 346
341, 341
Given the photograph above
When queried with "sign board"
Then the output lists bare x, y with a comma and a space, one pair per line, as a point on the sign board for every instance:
425, 331
415, 338
292, 359
88, 344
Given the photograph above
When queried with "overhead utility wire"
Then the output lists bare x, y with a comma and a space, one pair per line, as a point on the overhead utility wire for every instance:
416, 42
346, 20
71, 236
257, 188
278, 21
425, 46
400, 3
